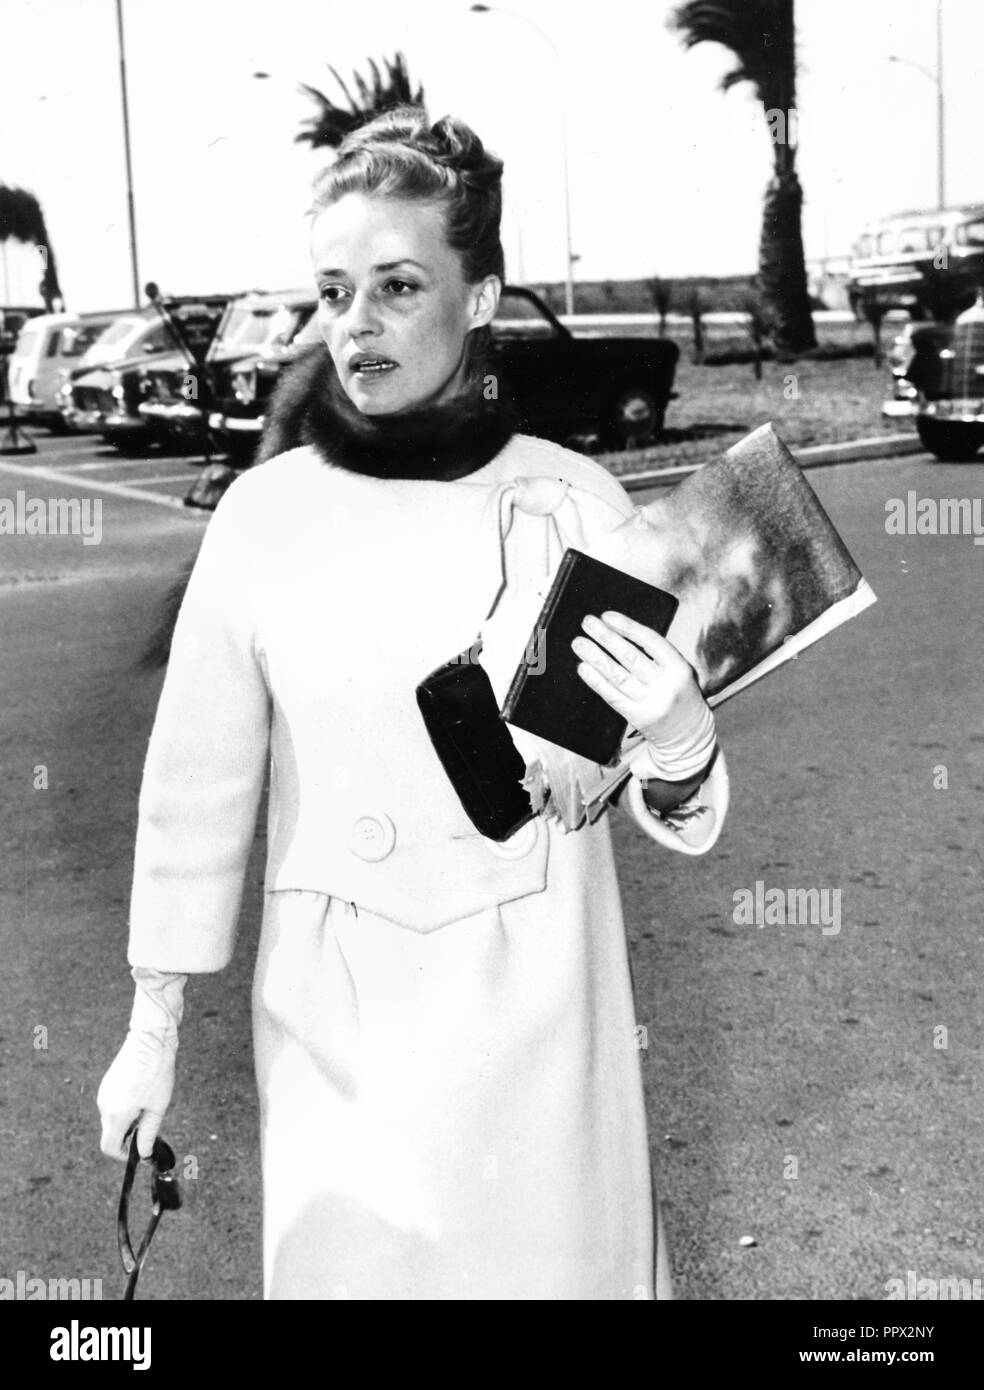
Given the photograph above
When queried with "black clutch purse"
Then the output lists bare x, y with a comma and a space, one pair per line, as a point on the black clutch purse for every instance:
476, 751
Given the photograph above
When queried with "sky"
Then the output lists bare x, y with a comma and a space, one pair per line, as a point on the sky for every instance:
666, 172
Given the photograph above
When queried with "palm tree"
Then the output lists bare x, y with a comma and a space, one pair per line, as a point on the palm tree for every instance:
21, 219
762, 36
333, 122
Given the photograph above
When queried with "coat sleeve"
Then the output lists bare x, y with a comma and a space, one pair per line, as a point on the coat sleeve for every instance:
206, 760
694, 827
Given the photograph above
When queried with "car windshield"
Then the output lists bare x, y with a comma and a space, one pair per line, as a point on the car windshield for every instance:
253, 327
913, 239
77, 340
120, 330
156, 340
972, 233
519, 317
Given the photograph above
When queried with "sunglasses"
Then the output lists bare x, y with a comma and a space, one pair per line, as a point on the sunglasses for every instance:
165, 1196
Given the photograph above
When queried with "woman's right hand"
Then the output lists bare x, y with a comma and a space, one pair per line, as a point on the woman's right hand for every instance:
138, 1086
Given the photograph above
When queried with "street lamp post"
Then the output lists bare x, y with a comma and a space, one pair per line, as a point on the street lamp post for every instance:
936, 77
126, 152
568, 241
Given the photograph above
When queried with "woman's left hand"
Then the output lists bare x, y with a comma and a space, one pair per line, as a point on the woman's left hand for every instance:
653, 689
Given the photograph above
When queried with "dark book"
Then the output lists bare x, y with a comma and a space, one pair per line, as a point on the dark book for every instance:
547, 697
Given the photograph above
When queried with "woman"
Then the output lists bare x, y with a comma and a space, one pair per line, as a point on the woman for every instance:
450, 1095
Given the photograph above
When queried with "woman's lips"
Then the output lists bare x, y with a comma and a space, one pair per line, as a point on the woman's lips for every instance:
375, 367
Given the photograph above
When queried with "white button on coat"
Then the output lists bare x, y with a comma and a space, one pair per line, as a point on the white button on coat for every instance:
518, 845
373, 837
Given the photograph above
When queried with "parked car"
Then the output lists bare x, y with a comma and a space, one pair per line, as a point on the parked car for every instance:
48, 348
940, 369
178, 399
564, 387
930, 263
106, 397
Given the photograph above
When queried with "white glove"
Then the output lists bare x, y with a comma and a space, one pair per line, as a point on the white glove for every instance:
681, 758
643, 676
138, 1085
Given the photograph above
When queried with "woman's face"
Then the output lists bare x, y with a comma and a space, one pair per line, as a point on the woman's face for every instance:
394, 309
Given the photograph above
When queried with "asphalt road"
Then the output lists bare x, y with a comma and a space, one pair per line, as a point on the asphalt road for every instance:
794, 1089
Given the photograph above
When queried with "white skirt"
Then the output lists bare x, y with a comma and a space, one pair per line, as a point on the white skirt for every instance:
455, 1114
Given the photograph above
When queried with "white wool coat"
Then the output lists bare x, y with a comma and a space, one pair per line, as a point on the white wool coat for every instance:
450, 1092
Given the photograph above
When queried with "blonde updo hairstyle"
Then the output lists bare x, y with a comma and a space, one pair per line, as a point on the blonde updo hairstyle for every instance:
399, 155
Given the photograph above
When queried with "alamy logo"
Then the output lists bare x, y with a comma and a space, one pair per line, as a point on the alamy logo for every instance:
794, 907
536, 654
950, 1289
26, 1288
935, 516
52, 516
77, 1343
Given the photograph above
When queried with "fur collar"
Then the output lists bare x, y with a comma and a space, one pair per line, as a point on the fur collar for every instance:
440, 442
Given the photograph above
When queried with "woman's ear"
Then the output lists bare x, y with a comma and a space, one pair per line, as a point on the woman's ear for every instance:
485, 301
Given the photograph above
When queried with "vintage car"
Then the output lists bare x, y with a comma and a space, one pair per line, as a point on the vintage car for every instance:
49, 347
569, 388
177, 399
938, 370
106, 397
237, 421
925, 262
565, 388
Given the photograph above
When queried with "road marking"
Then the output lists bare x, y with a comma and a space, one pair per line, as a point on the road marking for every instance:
162, 478
160, 499
93, 467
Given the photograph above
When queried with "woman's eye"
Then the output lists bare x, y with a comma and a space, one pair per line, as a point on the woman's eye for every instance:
331, 294
400, 288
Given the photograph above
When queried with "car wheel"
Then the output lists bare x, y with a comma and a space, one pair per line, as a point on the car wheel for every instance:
949, 442
633, 417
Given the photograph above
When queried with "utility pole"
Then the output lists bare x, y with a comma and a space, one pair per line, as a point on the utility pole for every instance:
126, 151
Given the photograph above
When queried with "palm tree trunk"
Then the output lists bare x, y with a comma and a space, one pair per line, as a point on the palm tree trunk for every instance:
49, 287
782, 266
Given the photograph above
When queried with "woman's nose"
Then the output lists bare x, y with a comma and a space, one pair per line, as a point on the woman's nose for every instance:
363, 315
